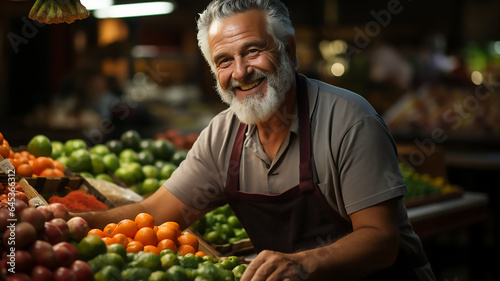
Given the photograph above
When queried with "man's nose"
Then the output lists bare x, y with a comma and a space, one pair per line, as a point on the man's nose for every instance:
241, 68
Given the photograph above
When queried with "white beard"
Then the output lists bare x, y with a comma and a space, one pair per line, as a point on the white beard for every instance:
260, 107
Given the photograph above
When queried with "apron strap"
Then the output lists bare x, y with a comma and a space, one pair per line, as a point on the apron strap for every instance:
305, 169
233, 179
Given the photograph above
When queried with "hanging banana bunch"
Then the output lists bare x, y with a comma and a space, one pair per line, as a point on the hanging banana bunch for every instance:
58, 11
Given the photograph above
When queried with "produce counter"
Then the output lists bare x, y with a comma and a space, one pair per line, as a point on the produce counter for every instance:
436, 218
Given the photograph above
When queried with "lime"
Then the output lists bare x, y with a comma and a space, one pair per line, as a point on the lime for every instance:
64, 160
146, 144
166, 251
100, 149
90, 247
167, 170
233, 222
179, 156
163, 149
151, 171
125, 175
149, 186
239, 270
118, 249
135, 274
57, 149
128, 155
40, 145
114, 146
98, 166
104, 177
158, 276
107, 273
189, 261
111, 162
149, 260
177, 273
131, 139
113, 259
146, 157
80, 161
214, 237
74, 144
169, 259
86, 175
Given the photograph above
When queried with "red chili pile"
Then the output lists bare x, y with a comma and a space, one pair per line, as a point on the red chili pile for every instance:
78, 200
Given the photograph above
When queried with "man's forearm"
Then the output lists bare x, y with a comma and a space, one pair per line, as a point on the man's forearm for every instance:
99, 219
354, 256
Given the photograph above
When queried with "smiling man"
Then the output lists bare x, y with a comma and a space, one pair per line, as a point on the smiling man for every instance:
310, 169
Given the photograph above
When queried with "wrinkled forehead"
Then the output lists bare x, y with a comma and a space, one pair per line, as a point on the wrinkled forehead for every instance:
252, 20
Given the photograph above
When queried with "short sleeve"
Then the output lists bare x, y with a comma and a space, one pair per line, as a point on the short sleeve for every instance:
368, 165
199, 180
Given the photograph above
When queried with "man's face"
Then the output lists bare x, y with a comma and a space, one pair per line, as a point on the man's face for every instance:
253, 77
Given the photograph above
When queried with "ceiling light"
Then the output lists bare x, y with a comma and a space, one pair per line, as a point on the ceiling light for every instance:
135, 10
96, 4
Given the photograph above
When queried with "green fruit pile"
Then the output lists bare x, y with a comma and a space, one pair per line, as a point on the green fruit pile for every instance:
116, 264
221, 226
140, 164
421, 185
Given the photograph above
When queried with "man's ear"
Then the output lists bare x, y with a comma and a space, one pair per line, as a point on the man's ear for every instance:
291, 50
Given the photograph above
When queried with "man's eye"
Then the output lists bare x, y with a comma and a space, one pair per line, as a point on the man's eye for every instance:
253, 51
224, 62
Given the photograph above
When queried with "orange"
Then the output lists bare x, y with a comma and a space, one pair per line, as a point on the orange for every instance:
146, 236
24, 170
185, 249
144, 220
96, 231
11, 154
15, 162
188, 239
108, 229
58, 165
155, 228
135, 247
5, 144
41, 163
172, 224
165, 232
167, 244
151, 249
200, 254
51, 173
121, 239
108, 240
130, 239
1, 137
4, 151
126, 227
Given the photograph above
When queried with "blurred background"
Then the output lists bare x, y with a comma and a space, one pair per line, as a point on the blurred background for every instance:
430, 68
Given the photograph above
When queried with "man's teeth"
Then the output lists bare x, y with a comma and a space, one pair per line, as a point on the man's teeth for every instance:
250, 86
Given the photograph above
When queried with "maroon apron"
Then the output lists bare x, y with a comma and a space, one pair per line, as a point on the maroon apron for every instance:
297, 219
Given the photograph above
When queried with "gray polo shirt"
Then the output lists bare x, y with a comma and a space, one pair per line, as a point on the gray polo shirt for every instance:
355, 159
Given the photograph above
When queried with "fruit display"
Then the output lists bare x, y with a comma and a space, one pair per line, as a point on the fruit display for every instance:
39, 243
17, 192
140, 250
140, 164
179, 139
220, 226
423, 186
36, 160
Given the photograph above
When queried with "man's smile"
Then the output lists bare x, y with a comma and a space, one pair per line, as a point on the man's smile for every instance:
252, 85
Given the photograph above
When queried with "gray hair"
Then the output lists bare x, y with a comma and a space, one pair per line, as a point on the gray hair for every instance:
278, 19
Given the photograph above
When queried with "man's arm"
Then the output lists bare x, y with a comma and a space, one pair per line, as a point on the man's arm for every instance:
372, 246
162, 205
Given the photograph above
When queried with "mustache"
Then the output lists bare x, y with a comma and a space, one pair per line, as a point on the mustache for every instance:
256, 75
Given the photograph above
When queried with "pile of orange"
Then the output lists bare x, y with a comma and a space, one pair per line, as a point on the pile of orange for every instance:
27, 165
141, 234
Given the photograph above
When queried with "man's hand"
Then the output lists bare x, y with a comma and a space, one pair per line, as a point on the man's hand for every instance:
270, 265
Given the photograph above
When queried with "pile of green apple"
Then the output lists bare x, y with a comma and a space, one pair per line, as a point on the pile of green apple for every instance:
140, 164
